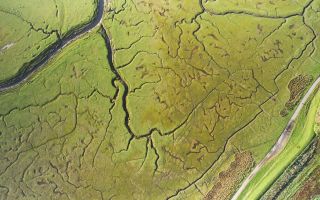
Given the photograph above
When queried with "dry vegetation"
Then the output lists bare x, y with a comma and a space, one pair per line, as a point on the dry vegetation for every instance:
297, 86
230, 179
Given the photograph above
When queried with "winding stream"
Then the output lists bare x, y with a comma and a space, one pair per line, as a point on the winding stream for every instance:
30, 68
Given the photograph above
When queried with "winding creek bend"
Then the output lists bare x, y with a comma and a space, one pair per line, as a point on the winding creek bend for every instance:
38, 62
282, 141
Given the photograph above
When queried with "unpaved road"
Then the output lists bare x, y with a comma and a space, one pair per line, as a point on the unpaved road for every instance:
282, 141
30, 68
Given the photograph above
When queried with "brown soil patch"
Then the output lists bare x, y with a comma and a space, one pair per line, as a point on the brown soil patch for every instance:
296, 86
311, 188
231, 178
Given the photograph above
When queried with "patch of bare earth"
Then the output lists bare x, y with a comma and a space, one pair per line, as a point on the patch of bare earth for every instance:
311, 188
232, 177
296, 87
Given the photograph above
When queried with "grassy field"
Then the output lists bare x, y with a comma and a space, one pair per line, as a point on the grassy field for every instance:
188, 102
55, 114
29, 27
301, 137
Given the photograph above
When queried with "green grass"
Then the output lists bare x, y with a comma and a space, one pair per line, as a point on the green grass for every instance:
29, 27
280, 8
208, 86
301, 137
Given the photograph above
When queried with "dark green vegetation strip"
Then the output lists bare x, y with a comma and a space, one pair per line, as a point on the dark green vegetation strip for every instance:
292, 171
306, 184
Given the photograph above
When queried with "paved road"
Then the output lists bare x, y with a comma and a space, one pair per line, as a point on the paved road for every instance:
282, 141
36, 64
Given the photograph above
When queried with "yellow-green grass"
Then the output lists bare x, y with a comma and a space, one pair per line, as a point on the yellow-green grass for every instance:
19, 44
258, 8
261, 134
163, 52
173, 83
56, 113
61, 15
29, 27
301, 137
